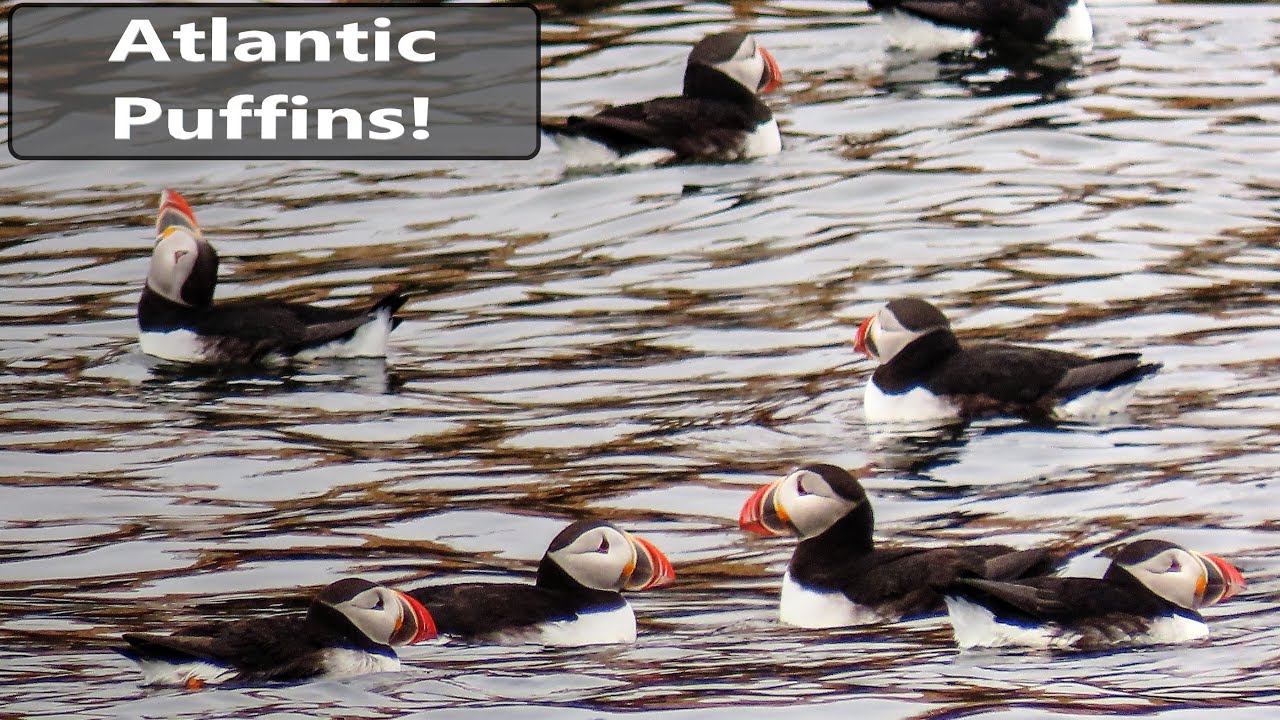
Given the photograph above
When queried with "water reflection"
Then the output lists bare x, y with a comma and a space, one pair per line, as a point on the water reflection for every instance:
648, 349
908, 452
1045, 77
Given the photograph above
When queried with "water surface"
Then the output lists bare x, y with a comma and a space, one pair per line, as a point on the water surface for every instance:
651, 347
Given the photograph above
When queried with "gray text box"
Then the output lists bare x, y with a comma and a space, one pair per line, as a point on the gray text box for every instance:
219, 92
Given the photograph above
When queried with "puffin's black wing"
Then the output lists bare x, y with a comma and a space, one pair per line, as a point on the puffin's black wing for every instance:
691, 127
1099, 611
1004, 373
1003, 564
1104, 373
904, 580
907, 581
1042, 602
274, 648
1061, 599
253, 328
474, 610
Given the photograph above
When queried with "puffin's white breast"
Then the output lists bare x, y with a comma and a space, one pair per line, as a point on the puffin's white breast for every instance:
617, 625
808, 608
175, 345
917, 405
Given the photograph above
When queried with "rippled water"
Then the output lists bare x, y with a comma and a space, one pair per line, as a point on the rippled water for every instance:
651, 347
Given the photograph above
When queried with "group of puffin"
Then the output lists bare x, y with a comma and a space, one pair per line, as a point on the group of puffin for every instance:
353, 626
993, 595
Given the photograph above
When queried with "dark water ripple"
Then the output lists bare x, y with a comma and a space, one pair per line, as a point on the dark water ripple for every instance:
649, 348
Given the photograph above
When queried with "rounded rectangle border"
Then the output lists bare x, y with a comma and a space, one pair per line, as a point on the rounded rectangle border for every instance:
209, 91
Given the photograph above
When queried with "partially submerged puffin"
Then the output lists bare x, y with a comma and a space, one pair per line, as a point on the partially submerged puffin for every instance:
718, 117
839, 576
938, 26
349, 629
926, 375
576, 600
179, 321
1152, 593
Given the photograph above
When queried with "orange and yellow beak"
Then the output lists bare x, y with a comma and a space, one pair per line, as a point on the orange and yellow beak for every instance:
772, 79
416, 624
763, 514
650, 569
175, 212
1220, 580
860, 343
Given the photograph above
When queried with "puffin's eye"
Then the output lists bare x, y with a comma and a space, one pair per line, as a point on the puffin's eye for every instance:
1174, 565
604, 545
800, 489
378, 605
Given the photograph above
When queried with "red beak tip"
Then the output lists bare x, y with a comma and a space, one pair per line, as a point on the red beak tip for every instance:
172, 198
860, 342
751, 519
774, 73
426, 624
665, 576
662, 573
1231, 577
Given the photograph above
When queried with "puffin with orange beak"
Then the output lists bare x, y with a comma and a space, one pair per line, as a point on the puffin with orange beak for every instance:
179, 321
839, 577
349, 629
1152, 593
926, 375
576, 600
718, 118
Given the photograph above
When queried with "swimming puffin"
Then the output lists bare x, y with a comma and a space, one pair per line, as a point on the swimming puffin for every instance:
1152, 593
576, 600
718, 117
179, 321
838, 576
349, 629
939, 26
926, 375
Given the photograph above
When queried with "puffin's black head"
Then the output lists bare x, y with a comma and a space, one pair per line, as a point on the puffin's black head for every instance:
806, 502
896, 325
736, 55
184, 268
369, 614
917, 315
601, 556
1187, 578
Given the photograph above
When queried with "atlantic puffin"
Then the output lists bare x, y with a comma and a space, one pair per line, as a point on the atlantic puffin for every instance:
939, 26
1152, 593
718, 117
838, 576
927, 376
576, 600
179, 321
349, 629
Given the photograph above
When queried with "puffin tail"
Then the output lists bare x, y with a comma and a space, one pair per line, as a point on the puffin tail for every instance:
162, 662
1103, 386
1106, 373
389, 304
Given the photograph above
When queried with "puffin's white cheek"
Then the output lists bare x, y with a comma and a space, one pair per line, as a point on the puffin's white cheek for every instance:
598, 571
813, 514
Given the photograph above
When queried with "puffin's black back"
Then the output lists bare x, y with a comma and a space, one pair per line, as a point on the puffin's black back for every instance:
476, 610
1000, 22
